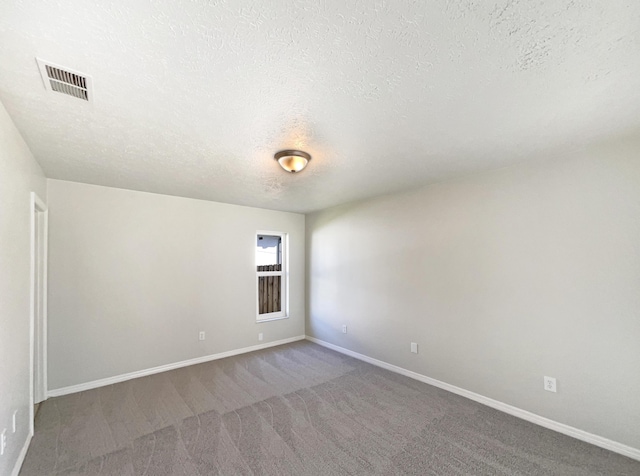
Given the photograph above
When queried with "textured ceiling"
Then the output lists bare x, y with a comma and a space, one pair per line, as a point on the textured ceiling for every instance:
193, 98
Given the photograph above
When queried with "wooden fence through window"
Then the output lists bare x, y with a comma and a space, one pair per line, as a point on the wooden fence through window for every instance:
269, 290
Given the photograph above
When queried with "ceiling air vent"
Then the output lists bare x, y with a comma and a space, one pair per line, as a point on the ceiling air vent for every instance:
64, 80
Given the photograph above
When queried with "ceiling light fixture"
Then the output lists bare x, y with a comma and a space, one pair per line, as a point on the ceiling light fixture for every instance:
292, 160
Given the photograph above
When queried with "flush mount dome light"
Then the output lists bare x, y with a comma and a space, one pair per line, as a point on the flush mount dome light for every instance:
292, 160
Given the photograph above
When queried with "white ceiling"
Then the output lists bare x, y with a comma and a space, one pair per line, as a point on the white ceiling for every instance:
193, 98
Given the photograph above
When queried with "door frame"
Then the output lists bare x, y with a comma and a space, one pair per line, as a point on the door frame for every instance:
38, 310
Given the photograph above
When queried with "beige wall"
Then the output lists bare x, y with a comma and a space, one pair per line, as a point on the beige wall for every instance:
19, 176
501, 278
133, 278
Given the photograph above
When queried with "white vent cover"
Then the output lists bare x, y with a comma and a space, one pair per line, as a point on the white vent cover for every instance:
64, 80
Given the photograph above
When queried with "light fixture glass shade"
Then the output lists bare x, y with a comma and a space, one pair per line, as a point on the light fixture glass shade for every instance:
292, 160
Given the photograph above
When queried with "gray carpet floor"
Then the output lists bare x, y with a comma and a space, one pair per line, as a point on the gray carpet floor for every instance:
297, 409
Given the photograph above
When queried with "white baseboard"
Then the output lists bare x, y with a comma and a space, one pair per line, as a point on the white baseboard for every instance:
163, 368
23, 453
503, 407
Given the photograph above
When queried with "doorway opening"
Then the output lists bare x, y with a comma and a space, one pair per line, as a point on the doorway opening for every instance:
38, 327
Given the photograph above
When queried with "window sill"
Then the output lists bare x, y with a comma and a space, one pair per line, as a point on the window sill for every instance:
267, 319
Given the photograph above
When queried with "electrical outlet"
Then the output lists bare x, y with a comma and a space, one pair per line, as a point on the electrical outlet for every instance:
414, 347
550, 384
260, 336
344, 329
3, 441
201, 335
14, 424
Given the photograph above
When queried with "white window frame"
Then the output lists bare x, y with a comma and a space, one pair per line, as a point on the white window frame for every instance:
284, 281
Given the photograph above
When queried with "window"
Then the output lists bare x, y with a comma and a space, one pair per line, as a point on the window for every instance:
271, 255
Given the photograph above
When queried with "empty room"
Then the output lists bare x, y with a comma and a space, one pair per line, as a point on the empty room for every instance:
307, 237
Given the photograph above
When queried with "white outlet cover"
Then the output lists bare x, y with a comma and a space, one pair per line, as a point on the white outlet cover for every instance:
260, 336
344, 329
201, 335
414, 347
550, 384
